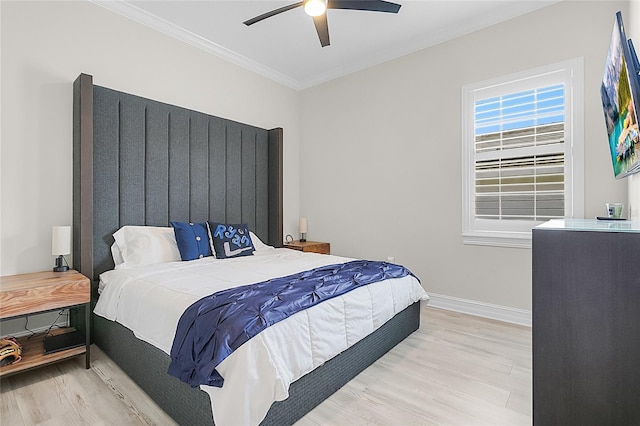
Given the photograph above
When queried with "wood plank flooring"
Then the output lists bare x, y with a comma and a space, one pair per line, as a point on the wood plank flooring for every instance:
455, 370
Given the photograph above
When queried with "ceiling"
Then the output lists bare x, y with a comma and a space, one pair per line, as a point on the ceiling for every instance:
285, 47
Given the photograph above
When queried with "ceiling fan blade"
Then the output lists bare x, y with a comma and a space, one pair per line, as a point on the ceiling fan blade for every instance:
322, 28
371, 5
272, 13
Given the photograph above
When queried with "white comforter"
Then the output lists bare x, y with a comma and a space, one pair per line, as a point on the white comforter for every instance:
149, 300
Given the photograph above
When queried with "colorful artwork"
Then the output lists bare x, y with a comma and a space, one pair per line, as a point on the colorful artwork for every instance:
618, 104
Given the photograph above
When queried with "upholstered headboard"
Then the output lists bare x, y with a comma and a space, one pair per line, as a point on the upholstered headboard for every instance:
143, 162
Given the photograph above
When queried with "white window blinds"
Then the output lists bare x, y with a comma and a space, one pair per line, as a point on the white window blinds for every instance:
522, 153
519, 155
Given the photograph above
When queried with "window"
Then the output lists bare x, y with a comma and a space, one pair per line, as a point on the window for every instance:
522, 153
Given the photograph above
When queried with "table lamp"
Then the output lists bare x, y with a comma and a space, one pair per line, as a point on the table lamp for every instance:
61, 245
302, 228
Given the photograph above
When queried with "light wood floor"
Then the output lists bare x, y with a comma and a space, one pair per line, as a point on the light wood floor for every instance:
455, 370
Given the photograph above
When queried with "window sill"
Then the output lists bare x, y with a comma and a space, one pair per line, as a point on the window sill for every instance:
498, 239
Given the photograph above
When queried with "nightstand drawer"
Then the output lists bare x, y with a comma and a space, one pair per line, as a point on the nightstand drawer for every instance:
310, 247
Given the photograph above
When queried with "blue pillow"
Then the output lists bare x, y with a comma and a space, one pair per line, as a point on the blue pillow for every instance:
192, 239
230, 240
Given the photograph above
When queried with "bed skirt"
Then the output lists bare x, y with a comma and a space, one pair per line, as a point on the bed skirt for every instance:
147, 366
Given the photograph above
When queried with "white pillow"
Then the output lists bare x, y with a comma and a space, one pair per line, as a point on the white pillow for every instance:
116, 254
147, 245
257, 242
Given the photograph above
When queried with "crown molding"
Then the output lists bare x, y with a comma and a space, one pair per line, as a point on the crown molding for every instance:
143, 17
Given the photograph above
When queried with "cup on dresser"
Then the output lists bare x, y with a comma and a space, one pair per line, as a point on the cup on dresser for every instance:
614, 210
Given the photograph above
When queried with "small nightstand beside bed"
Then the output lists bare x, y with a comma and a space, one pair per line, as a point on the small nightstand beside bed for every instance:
141, 162
309, 246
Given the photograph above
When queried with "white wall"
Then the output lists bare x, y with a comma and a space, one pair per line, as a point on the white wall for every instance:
632, 26
379, 167
381, 150
44, 47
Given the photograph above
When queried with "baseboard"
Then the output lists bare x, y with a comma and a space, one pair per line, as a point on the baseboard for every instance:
481, 309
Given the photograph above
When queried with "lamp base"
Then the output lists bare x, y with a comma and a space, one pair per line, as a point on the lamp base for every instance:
303, 237
59, 266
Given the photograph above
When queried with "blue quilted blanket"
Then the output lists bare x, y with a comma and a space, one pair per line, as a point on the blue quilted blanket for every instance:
214, 326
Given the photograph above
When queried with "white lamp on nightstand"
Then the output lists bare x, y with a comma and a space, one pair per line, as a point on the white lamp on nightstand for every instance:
61, 245
302, 228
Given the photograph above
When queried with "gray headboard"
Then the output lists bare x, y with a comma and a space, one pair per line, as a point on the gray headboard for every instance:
143, 162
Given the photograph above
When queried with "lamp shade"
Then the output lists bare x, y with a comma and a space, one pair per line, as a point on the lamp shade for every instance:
61, 240
302, 225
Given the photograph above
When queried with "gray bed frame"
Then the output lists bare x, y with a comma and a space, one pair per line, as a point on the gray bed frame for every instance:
143, 162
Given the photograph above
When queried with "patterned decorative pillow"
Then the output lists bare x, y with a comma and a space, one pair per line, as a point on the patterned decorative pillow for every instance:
230, 240
192, 239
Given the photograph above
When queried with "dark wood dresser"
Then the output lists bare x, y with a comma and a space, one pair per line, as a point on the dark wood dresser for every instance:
586, 323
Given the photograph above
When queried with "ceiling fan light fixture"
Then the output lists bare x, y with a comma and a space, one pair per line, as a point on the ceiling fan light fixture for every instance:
315, 7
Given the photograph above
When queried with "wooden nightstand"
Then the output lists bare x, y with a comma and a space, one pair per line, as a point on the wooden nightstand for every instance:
309, 246
39, 292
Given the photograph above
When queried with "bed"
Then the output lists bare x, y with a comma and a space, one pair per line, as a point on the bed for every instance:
142, 162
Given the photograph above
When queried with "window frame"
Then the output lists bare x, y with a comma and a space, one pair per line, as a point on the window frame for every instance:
517, 233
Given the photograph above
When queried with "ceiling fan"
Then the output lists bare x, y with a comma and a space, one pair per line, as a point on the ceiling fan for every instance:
317, 8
